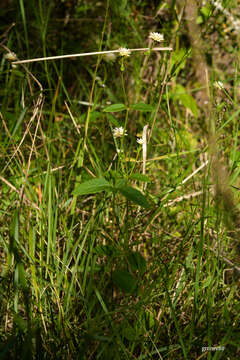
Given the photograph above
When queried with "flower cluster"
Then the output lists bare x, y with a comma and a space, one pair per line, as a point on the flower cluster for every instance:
218, 84
140, 141
124, 52
119, 132
110, 57
156, 36
235, 22
11, 56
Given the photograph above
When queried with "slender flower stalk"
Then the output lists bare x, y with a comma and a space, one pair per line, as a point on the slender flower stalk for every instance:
144, 145
143, 142
89, 54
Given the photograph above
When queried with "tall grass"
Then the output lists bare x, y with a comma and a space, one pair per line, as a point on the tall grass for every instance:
113, 248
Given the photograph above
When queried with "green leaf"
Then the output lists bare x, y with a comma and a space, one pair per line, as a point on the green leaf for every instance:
199, 20
134, 195
140, 177
137, 262
189, 102
92, 187
178, 61
125, 281
19, 121
22, 275
142, 107
186, 99
94, 115
115, 108
206, 11
120, 183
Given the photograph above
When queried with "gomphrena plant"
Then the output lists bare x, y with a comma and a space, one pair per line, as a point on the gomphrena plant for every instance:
119, 178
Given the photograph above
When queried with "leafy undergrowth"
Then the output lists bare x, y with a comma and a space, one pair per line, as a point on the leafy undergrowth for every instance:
115, 241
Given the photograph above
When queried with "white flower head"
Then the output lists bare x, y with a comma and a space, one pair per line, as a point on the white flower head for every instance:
218, 84
11, 56
119, 132
218, 5
110, 57
140, 141
124, 52
156, 36
236, 25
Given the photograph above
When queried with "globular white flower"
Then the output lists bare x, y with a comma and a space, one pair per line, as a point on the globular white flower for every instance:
231, 19
140, 141
218, 5
119, 132
110, 57
218, 84
11, 56
156, 36
124, 52
236, 25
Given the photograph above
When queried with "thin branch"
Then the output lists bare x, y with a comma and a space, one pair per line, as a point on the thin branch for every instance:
88, 54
